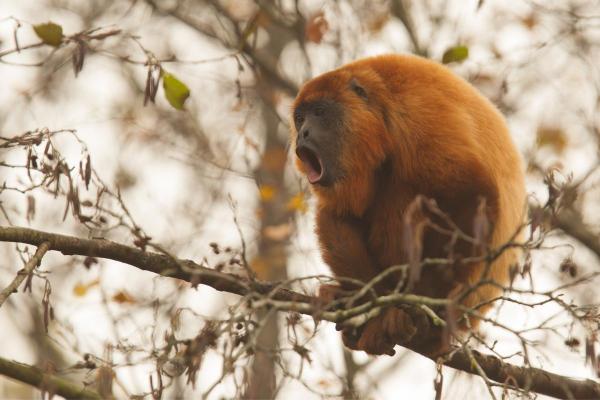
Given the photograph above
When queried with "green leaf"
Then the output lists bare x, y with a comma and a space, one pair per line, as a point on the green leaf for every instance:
176, 91
455, 54
50, 33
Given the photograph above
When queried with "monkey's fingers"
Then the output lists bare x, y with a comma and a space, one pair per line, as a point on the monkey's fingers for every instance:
350, 338
374, 339
327, 294
398, 326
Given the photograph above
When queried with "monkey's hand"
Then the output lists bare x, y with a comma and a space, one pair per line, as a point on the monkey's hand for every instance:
380, 334
330, 293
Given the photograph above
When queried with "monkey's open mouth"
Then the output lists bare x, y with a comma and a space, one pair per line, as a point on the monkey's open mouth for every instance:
312, 163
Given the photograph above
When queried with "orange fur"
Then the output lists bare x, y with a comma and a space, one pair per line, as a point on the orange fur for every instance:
421, 131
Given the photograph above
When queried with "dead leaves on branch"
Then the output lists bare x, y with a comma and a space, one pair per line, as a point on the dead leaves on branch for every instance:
48, 171
176, 92
51, 34
552, 137
316, 27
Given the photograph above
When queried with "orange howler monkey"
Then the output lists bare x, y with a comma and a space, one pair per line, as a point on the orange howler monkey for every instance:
375, 136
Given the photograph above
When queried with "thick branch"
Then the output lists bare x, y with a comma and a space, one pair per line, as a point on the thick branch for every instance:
533, 379
153, 262
572, 224
45, 382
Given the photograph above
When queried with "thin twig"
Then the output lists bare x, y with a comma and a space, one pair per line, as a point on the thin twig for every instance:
33, 262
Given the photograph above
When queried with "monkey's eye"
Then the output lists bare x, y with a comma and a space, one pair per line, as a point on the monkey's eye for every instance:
319, 111
298, 119
359, 90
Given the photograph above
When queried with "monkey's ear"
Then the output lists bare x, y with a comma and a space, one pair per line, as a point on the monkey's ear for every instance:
358, 89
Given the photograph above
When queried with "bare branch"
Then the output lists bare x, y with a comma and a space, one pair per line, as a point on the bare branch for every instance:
533, 379
147, 261
572, 224
44, 381
34, 262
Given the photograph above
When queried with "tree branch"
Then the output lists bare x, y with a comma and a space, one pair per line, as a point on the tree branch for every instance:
533, 379
571, 223
44, 381
35, 261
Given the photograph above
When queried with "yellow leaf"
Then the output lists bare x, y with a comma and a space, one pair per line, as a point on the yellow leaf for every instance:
298, 203
81, 289
552, 137
50, 33
176, 91
455, 54
123, 297
266, 192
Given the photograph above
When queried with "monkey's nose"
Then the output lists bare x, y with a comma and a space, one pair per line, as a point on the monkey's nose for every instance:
304, 133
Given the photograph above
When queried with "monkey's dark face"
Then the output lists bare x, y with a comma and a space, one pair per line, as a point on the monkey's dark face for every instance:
339, 131
319, 127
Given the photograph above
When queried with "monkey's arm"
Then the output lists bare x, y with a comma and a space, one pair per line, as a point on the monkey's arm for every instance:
344, 250
343, 247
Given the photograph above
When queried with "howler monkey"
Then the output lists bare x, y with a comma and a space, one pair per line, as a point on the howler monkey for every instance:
408, 162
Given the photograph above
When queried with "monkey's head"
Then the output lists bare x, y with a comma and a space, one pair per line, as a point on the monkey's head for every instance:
339, 133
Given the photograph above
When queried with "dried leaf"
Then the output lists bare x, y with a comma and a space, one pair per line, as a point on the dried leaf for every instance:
455, 54
152, 79
50, 33
552, 137
122, 297
303, 352
142, 242
48, 310
78, 57
298, 203
81, 289
88, 171
590, 349
572, 342
537, 219
89, 261
529, 21
267, 192
568, 266
316, 27
176, 91
30, 208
